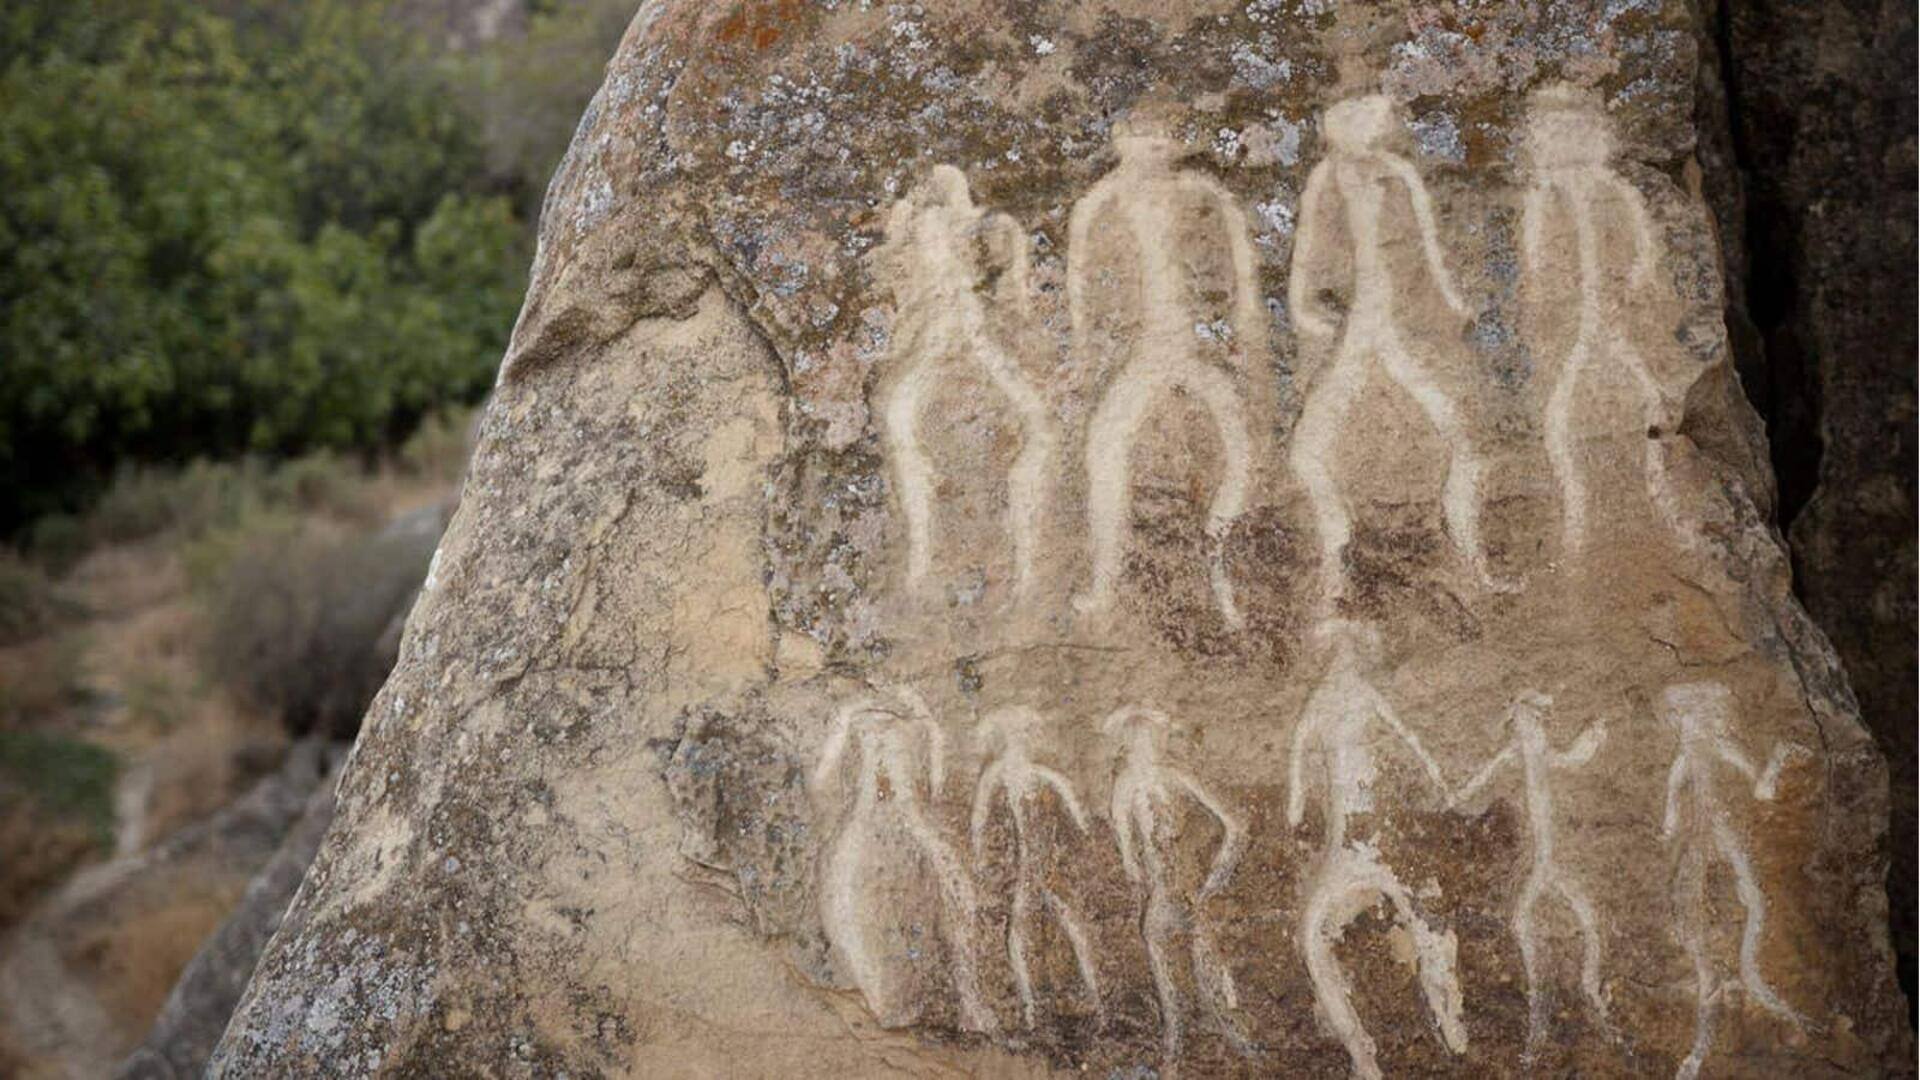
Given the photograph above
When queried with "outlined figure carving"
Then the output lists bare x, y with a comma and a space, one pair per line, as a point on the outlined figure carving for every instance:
1347, 193
1013, 777
884, 828
932, 238
1145, 800
1528, 748
1336, 730
1695, 820
1570, 142
1141, 197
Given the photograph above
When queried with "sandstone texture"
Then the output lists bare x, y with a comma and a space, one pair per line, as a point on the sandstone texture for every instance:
1132, 539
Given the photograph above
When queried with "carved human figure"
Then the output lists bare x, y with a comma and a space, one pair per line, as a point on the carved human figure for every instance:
1142, 198
1146, 797
1570, 141
1348, 192
871, 857
933, 237
1015, 779
1336, 731
1696, 821
1527, 747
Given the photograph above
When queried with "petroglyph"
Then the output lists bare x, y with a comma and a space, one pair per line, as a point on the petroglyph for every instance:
1358, 175
1570, 142
1145, 798
1013, 777
943, 324
1528, 747
1695, 819
1335, 730
883, 828
1142, 196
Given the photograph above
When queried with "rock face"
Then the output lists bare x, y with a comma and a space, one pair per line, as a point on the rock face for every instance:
1111, 537
1824, 95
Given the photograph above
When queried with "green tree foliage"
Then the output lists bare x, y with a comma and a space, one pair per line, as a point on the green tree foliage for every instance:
241, 226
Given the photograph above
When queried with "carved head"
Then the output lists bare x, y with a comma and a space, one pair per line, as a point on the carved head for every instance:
1359, 125
1009, 725
1531, 705
1528, 713
1355, 642
1146, 136
1141, 726
1697, 709
1567, 127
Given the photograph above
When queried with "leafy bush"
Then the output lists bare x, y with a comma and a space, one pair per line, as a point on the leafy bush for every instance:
301, 626
244, 227
29, 602
65, 776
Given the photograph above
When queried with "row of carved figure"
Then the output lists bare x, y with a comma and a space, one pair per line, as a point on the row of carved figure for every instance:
944, 326
900, 767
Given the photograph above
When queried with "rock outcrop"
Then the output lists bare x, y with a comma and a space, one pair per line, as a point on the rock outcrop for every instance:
201, 1002
81, 976
1824, 96
1111, 537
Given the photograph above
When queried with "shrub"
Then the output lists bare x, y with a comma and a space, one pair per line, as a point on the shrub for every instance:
30, 604
250, 227
300, 625
67, 777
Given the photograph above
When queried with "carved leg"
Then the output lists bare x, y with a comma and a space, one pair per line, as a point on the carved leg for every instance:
1311, 456
1110, 478
1561, 453
846, 926
1755, 903
1582, 906
1320, 926
1530, 959
961, 907
1216, 391
1461, 495
1017, 948
1027, 479
1659, 481
1436, 953
1690, 897
912, 470
1158, 922
1082, 949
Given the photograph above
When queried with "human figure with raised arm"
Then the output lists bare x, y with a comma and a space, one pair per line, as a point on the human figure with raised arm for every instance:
932, 238
1347, 195
1529, 749
1141, 199
887, 814
1015, 779
1569, 144
1695, 820
1146, 795
1336, 732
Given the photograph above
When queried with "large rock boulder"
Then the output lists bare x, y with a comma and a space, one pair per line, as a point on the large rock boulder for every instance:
1111, 537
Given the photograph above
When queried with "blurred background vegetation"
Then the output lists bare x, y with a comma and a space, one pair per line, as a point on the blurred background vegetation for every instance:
258, 263
249, 226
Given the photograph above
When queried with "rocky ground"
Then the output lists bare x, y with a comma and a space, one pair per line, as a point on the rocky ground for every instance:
104, 904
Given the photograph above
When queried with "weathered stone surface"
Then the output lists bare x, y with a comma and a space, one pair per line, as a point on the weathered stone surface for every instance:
1111, 537
1825, 100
